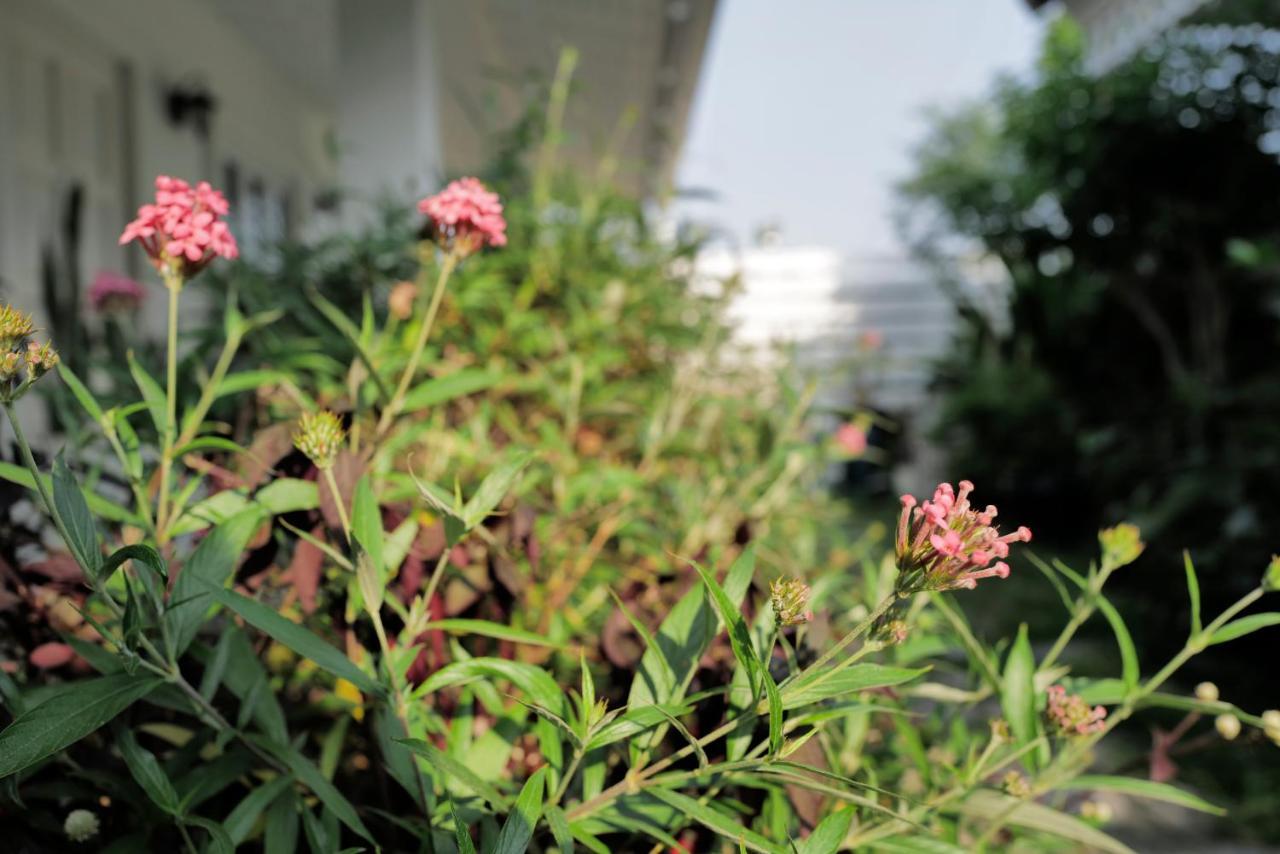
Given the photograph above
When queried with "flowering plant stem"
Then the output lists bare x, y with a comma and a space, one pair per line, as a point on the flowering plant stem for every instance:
338, 502
173, 282
397, 399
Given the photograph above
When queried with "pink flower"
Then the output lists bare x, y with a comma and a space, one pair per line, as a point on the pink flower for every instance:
870, 341
183, 230
944, 543
1071, 714
113, 292
852, 438
50, 655
466, 217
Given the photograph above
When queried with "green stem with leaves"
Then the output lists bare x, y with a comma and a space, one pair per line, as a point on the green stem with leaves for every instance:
173, 282
389, 414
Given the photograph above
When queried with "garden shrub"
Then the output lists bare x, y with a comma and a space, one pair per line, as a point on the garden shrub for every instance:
506, 552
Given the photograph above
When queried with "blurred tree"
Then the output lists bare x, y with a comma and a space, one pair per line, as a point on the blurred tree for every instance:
1138, 373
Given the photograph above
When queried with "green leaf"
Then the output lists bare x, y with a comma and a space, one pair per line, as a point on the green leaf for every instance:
152, 393
82, 394
147, 772
1141, 788
1193, 590
366, 523
848, 680
1244, 626
1018, 692
109, 510
739, 635
74, 512
461, 834
141, 553
1129, 670
523, 818
241, 820
988, 805
207, 569
76, 710
339, 319
493, 489
451, 769
559, 824
219, 841
533, 681
774, 698
716, 821
490, 630
297, 638
830, 833
280, 834
444, 389
309, 775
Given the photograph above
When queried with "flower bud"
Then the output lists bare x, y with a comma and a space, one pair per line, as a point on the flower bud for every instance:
1228, 726
1207, 691
80, 825
1271, 578
1121, 545
15, 326
1099, 811
1271, 724
319, 436
1016, 785
790, 598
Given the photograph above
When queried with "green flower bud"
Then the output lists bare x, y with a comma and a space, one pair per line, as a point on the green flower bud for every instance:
80, 825
319, 436
1121, 545
1271, 578
790, 597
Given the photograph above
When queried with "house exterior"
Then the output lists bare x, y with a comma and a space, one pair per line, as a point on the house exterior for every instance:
287, 105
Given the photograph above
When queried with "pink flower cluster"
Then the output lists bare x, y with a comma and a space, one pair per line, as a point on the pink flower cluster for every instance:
466, 217
1072, 715
945, 544
851, 438
183, 230
114, 292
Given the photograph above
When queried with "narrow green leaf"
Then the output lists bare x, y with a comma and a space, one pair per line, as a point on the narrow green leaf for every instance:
1141, 788
848, 680
241, 820
533, 681
146, 771
297, 638
493, 489
1129, 669
101, 507
774, 698
988, 805
440, 390
1018, 693
739, 636
81, 393
1244, 626
489, 629
143, 554
280, 835
339, 319
830, 833
716, 821
559, 824
1193, 590
309, 775
523, 818
76, 710
451, 769
219, 841
152, 393
366, 523
461, 833
207, 569
74, 511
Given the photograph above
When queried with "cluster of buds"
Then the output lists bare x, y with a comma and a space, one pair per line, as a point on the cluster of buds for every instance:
80, 825
465, 217
1271, 725
112, 293
182, 231
22, 362
790, 598
1071, 715
319, 436
946, 544
1015, 784
1121, 545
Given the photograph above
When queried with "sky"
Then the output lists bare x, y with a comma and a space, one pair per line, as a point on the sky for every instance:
807, 111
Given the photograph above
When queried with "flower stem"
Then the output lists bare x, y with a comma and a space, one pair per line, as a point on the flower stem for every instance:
337, 500
172, 281
397, 399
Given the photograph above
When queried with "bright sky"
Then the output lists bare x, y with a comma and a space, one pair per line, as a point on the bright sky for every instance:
807, 110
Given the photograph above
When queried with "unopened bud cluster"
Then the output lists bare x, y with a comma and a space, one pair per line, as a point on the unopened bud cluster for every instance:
319, 436
1121, 545
1071, 715
790, 598
22, 362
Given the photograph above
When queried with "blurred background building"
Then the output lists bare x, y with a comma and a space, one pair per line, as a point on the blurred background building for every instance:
293, 106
